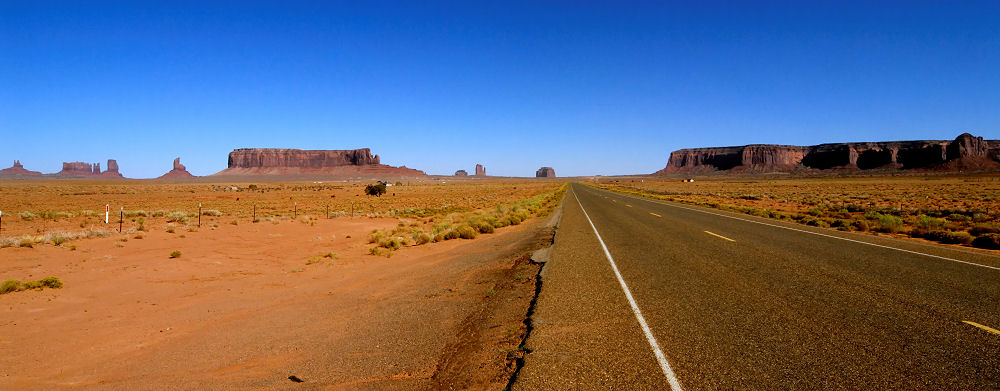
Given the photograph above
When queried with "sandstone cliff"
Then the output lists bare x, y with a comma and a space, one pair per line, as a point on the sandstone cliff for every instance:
480, 170
89, 170
545, 172
309, 163
965, 152
17, 170
178, 172
461, 173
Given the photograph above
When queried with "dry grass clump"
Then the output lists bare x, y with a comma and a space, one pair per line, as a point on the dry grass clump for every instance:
460, 225
57, 237
9, 286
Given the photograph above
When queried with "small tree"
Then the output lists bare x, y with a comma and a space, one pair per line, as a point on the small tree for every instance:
375, 190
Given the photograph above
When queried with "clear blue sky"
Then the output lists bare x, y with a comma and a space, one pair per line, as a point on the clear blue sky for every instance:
587, 88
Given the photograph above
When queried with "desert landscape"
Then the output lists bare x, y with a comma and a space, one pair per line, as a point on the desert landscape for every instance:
235, 301
502, 196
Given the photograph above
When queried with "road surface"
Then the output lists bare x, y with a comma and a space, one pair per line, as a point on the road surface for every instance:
709, 300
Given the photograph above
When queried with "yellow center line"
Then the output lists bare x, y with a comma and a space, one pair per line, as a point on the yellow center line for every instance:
628, 205
719, 236
654, 214
987, 328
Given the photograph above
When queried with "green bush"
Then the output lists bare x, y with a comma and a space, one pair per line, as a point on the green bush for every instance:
422, 238
466, 232
175, 254
887, 223
9, 286
27, 216
375, 190
988, 241
930, 223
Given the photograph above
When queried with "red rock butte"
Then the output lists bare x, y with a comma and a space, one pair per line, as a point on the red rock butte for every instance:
966, 152
88, 170
17, 170
545, 172
178, 172
353, 163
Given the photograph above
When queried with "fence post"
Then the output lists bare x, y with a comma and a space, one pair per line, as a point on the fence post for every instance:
254, 220
199, 215
1, 220
121, 219
295, 210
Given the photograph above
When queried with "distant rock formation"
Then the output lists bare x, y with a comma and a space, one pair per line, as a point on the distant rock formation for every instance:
461, 173
112, 171
545, 172
965, 152
311, 163
178, 172
17, 170
89, 170
480, 170
76, 169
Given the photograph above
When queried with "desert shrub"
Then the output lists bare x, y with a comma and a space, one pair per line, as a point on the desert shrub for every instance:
452, 234
175, 254
9, 286
375, 189
946, 236
930, 223
375, 236
960, 218
58, 239
884, 222
211, 212
51, 282
136, 213
987, 241
466, 232
422, 238
47, 282
981, 229
177, 217
393, 243
27, 216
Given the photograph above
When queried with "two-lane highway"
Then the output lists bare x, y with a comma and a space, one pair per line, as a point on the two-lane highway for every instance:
735, 302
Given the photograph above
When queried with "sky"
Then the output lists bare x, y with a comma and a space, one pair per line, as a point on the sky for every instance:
589, 88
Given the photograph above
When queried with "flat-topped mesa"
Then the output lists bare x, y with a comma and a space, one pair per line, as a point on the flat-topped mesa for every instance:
461, 173
76, 169
17, 170
274, 162
965, 152
299, 158
545, 172
89, 170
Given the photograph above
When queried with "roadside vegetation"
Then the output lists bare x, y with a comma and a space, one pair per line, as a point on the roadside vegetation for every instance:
422, 226
933, 211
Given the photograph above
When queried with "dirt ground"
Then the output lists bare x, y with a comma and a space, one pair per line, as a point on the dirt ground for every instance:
249, 305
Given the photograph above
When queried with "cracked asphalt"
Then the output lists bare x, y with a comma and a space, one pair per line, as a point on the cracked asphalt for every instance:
743, 303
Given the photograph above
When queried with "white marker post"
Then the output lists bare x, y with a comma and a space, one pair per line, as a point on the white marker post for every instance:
107, 210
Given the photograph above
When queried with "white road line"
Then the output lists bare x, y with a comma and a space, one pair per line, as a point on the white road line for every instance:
675, 384
816, 233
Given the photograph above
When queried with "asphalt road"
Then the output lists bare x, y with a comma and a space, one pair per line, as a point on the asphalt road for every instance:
735, 302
